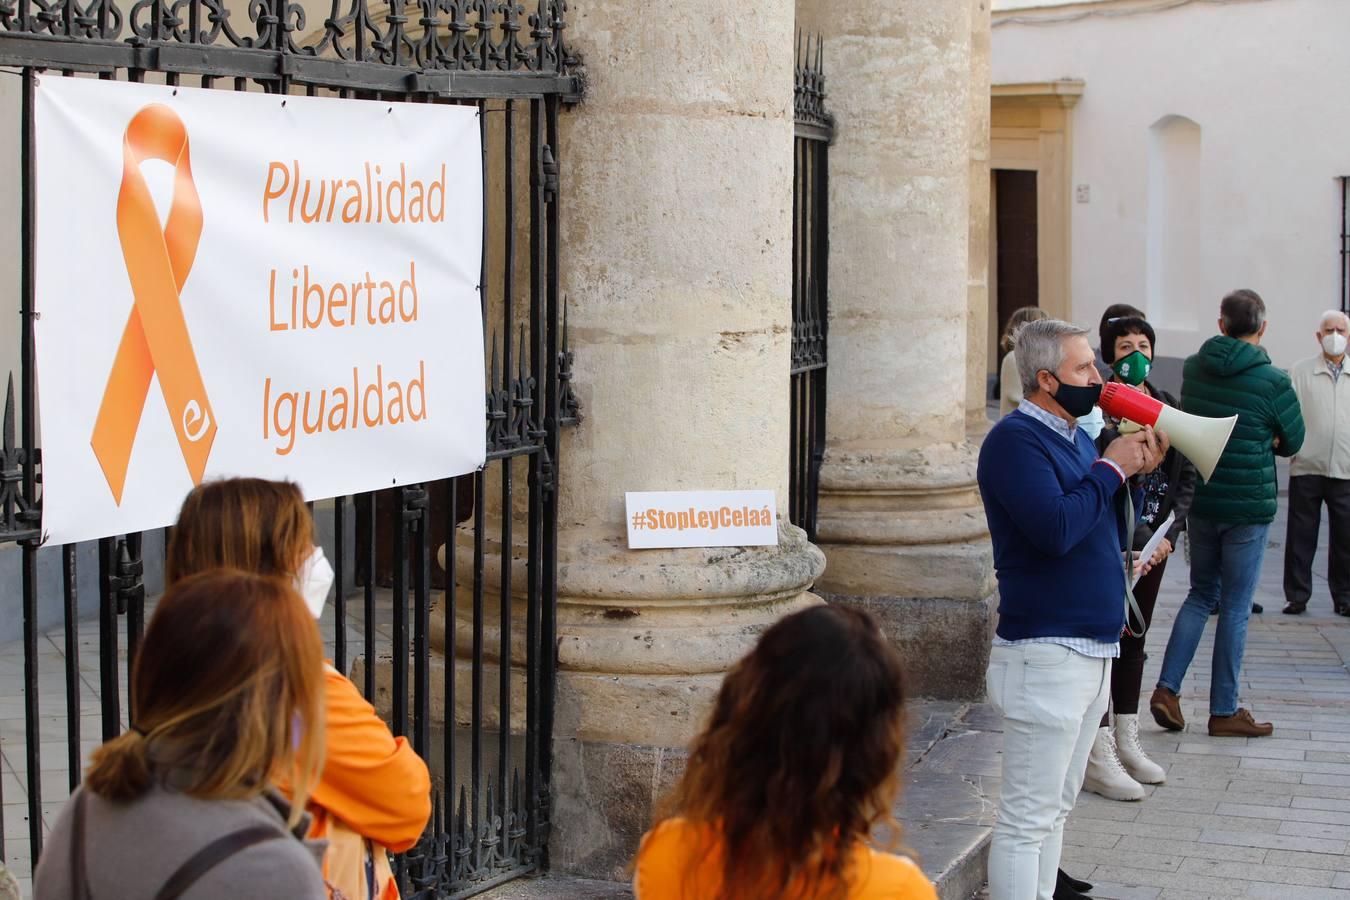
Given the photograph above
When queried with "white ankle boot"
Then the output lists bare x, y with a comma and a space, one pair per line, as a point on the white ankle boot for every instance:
1132, 756
1105, 774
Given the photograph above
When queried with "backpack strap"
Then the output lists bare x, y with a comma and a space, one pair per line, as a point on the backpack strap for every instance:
212, 855
79, 873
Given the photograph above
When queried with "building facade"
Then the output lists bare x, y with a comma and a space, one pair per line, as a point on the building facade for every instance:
1162, 157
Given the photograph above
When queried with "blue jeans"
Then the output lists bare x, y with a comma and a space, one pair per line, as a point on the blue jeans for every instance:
1225, 566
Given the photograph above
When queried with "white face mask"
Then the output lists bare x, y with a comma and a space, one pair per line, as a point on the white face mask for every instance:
1092, 423
314, 581
1333, 343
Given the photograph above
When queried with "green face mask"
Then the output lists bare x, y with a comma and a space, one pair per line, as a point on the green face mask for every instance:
1133, 369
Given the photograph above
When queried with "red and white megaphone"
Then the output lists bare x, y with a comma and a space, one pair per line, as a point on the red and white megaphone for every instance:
1200, 439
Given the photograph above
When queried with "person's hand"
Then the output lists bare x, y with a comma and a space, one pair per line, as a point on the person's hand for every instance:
1155, 449
1144, 566
1128, 452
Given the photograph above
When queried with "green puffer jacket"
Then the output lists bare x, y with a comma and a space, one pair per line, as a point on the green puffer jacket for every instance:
1231, 376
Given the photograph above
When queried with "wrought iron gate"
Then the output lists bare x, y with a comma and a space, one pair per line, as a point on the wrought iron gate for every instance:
810, 309
491, 767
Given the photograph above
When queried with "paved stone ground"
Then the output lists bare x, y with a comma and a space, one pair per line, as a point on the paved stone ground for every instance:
1238, 817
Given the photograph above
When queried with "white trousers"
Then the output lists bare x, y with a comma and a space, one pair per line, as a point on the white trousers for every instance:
1052, 700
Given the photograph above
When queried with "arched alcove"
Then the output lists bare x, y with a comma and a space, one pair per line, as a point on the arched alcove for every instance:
1173, 263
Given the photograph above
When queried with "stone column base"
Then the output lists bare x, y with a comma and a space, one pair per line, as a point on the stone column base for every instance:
906, 538
606, 794
644, 640
943, 641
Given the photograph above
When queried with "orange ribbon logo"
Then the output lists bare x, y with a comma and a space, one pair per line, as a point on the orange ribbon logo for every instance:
156, 339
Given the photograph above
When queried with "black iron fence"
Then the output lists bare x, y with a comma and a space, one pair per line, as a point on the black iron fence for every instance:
483, 719
810, 286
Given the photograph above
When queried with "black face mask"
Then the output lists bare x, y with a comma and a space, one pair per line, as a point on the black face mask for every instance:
1077, 399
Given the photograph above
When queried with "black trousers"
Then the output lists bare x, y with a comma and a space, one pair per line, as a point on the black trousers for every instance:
1127, 670
1307, 493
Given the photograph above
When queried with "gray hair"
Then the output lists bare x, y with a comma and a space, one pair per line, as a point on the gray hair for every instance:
1040, 346
1333, 314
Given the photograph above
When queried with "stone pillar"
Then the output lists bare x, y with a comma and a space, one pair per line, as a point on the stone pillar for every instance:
977, 288
900, 516
677, 205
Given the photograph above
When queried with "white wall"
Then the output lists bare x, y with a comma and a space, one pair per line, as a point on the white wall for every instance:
1268, 84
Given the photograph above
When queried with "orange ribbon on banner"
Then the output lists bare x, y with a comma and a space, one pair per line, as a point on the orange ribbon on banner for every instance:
155, 340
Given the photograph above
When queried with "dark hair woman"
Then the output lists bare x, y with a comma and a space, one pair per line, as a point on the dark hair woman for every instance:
1118, 766
797, 767
228, 696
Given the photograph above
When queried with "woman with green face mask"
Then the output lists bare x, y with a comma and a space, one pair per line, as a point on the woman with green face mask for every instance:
1118, 766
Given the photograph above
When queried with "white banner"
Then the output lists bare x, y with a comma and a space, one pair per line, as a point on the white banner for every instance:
701, 519
235, 283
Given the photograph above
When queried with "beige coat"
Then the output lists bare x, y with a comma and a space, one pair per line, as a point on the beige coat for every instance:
1326, 416
1010, 384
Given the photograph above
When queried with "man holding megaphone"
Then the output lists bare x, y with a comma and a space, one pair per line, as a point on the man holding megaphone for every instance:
1232, 511
1056, 514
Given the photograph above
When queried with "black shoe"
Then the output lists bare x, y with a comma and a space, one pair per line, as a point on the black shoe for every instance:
1294, 609
1067, 887
1258, 608
1343, 609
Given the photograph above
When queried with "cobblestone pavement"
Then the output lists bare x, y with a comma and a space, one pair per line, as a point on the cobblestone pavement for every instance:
1238, 817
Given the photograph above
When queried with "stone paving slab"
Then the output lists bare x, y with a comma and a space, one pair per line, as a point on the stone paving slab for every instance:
551, 886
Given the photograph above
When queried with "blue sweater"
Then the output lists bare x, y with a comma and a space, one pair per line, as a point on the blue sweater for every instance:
1056, 519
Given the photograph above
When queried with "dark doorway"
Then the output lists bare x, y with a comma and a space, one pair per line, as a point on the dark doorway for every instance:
1015, 224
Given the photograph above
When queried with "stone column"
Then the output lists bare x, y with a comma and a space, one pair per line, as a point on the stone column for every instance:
677, 205
977, 288
900, 516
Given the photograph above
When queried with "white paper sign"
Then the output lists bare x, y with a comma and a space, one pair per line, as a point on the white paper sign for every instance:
701, 519
235, 283
1154, 542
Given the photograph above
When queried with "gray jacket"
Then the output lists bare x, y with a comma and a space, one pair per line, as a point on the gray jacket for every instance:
132, 849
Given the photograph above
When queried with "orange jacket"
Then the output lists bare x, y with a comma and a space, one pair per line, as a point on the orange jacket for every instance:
371, 780
664, 871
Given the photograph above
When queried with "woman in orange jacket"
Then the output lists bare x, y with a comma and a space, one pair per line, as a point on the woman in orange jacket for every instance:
374, 793
798, 766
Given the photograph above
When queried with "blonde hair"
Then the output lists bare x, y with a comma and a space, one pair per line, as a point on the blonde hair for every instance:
227, 691
249, 524
1019, 318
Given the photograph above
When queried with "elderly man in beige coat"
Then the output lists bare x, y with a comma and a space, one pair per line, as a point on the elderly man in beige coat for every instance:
1320, 473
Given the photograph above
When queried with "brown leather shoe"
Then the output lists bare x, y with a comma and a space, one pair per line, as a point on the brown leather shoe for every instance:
1166, 709
1294, 609
1239, 724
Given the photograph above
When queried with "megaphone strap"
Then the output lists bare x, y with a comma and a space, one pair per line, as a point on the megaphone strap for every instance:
1131, 605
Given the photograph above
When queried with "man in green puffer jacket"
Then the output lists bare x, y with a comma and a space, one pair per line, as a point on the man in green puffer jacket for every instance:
1231, 514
